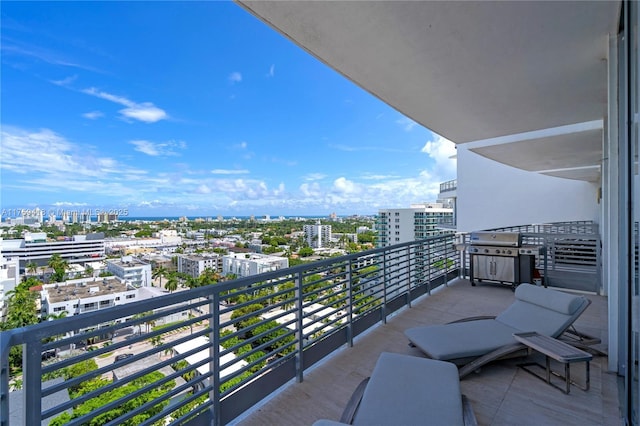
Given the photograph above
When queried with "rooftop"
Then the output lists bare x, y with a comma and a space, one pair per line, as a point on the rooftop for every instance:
500, 394
84, 289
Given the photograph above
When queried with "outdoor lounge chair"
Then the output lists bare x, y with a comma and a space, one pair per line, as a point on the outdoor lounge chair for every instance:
408, 390
473, 342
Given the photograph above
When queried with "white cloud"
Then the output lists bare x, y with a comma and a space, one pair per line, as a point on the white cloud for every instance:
272, 71
344, 186
230, 171
235, 77
242, 145
145, 111
93, 115
406, 123
68, 204
315, 176
65, 82
203, 189
379, 177
47, 161
349, 148
311, 190
163, 149
442, 150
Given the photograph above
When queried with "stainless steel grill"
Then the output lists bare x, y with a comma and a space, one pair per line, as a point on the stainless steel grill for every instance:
500, 257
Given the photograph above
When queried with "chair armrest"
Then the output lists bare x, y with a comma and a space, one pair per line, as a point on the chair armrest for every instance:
354, 402
482, 317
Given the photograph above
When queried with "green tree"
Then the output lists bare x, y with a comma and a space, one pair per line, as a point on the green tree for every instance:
305, 251
59, 266
88, 269
32, 268
172, 283
159, 272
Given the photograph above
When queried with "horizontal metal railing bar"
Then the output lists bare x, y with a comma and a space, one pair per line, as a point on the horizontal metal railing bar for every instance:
143, 408
333, 273
206, 404
77, 380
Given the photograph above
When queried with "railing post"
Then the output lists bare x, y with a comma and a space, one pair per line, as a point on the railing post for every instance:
32, 382
4, 378
349, 305
446, 261
299, 314
214, 353
428, 263
383, 308
409, 275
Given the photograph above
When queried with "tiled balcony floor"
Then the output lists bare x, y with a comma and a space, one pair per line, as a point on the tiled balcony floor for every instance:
501, 394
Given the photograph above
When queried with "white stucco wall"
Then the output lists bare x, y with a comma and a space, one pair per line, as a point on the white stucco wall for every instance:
492, 195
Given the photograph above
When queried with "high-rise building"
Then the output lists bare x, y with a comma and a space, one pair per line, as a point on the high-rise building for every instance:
317, 235
418, 222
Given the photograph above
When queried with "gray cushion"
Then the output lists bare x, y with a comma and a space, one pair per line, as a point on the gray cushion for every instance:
526, 316
408, 390
462, 339
554, 300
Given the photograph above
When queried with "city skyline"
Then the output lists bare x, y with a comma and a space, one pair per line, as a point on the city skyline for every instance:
195, 109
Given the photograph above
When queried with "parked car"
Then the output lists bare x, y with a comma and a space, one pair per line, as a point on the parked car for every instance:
122, 357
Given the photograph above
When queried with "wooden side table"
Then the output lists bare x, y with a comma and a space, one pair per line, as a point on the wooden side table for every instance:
555, 349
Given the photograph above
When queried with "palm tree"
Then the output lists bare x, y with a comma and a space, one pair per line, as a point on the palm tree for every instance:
172, 283
159, 272
32, 268
157, 341
59, 266
88, 269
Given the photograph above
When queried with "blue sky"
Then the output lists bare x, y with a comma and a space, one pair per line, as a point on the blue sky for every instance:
194, 108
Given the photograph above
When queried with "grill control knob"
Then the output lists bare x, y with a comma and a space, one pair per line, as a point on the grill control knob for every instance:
508, 251
486, 250
497, 251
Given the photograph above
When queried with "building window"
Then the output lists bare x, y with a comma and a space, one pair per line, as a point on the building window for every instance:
131, 296
105, 302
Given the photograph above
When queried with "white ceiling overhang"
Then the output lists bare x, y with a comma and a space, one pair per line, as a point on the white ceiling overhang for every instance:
470, 71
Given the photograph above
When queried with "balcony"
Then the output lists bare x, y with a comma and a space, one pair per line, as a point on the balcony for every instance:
450, 185
322, 324
501, 394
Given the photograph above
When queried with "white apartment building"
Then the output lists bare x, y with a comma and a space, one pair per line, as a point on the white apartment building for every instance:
9, 278
194, 265
168, 236
131, 269
78, 249
317, 235
85, 295
418, 222
247, 264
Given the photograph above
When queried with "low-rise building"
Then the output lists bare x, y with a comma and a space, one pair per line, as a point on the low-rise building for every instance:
247, 264
85, 295
195, 265
129, 268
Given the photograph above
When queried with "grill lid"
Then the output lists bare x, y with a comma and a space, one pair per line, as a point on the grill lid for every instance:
488, 238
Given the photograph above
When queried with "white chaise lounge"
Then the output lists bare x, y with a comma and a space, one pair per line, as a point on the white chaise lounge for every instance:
408, 390
473, 342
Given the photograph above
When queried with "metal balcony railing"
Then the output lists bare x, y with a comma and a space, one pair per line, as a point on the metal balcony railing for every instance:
572, 256
449, 185
220, 349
